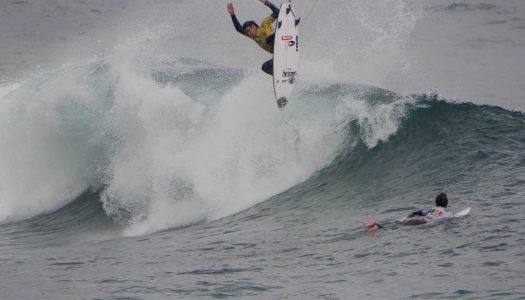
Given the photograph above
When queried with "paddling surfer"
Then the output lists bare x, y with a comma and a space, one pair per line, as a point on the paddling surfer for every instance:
424, 216
433, 214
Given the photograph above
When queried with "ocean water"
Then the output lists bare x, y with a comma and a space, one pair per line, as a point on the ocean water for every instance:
142, 155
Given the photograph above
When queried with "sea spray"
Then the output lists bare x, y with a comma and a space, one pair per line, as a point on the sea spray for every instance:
179, 162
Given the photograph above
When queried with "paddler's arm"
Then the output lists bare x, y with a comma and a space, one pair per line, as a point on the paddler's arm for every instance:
420, 213
274, 8
236, 22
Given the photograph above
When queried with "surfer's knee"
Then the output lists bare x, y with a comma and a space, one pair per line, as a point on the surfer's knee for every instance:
414, 222
267, 67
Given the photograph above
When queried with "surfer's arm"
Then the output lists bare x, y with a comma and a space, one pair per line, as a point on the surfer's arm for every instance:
417, 213
274, 8
236, 23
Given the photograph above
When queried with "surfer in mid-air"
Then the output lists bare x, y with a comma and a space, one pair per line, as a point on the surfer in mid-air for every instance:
263, 35
424, 216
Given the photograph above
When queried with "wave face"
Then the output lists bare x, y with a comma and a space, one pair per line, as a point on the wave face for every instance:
183, 143
472, 151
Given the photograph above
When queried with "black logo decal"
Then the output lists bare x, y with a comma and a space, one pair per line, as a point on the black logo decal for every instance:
291, 43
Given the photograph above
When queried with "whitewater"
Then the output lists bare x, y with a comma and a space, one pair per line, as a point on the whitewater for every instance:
142, 155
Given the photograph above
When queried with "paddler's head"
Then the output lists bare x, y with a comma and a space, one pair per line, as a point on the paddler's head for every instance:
442, 200
371, 225
249, 28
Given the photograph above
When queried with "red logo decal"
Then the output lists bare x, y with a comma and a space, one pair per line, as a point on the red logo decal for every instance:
286, 37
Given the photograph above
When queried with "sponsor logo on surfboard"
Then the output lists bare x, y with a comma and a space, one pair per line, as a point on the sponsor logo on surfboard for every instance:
286, 37
289, 73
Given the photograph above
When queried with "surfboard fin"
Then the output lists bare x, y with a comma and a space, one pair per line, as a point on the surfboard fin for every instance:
279, 24
297, 21
288, 10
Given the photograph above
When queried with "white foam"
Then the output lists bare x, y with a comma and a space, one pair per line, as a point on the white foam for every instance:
377, 122
180, 162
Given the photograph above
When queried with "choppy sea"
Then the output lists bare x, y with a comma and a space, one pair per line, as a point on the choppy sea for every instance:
142, 154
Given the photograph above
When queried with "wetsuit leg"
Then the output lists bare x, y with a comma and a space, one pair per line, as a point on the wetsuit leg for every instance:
413, 222
267, 67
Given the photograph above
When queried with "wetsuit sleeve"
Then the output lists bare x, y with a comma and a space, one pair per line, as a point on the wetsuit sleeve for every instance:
236, 23
417, 213
274, 9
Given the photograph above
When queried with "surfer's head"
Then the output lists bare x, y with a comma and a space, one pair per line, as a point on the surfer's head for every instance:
249, 28
442, 200
371, 225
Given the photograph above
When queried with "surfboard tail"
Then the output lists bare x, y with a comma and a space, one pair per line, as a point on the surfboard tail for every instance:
281, 102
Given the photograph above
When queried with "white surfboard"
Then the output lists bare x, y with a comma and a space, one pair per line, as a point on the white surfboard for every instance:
463, 213
285, 54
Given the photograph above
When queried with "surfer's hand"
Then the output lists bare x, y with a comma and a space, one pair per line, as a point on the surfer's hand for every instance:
230, 8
